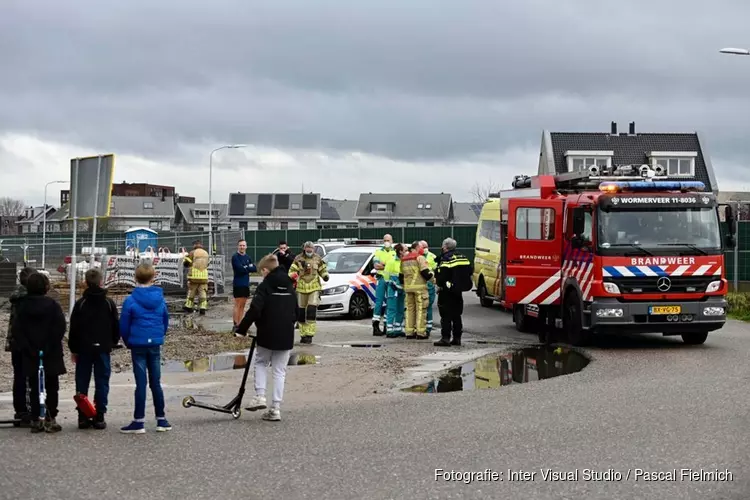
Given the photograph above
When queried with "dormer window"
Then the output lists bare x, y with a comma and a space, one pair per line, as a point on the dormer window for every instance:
674, 163
379, 207
581, 161
427, 206
148, 204
424, 206
420, 206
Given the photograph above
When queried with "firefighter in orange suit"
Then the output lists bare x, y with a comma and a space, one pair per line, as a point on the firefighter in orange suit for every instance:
415, 274
197, 279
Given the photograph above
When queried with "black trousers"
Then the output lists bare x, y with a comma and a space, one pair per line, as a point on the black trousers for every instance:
51, 387
450, 307
20, 385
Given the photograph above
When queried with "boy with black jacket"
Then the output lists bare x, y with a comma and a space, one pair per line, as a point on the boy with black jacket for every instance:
39, 325
94, 332
274, 312
20, 384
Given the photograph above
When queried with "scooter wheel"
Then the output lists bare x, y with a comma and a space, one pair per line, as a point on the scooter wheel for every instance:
236, 413
188, 401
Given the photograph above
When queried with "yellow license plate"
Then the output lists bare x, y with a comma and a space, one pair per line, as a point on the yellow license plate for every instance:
665, 310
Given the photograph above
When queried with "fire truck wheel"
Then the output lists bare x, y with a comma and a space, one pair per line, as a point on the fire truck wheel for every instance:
523, 322
572, 327
696, 338
483, 299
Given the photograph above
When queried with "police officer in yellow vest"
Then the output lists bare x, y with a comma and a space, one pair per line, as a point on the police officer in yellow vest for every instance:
197, 278
415, 275
307, 270
432, 264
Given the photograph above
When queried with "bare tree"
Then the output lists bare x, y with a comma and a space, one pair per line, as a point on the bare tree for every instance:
11, 207
445, 213
480, 193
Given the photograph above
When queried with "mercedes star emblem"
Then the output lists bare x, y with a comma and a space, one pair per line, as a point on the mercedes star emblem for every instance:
663, 284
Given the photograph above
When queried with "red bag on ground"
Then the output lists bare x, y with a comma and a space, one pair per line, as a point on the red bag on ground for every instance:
85, 405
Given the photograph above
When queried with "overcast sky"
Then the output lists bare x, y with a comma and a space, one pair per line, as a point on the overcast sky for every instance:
345, 97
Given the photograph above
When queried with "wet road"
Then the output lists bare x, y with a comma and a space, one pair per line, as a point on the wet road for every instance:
643, 403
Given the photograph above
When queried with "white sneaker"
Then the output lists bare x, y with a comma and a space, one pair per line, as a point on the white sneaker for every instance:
257, 403
273, 415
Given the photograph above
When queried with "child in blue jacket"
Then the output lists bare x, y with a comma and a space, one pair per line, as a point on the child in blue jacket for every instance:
143, 324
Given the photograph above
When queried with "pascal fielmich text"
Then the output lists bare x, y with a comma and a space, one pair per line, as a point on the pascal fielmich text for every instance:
511, 475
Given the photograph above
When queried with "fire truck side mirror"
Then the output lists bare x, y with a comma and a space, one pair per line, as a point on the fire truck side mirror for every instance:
731, 220
579, 221
730, 241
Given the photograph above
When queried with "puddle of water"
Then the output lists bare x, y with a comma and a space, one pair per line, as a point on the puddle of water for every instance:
230, 361
497, 370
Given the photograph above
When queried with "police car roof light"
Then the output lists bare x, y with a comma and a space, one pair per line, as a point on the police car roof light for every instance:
642, 186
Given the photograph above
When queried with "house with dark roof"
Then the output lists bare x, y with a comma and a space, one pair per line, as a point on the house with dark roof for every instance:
268, 211
466, 214
193, 217
404, 209
126, 212
33, 218
681, 156
338, 214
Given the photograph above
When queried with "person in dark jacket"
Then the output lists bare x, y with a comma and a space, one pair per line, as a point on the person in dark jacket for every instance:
20, 383
143, 325
39, 326
242, 265
94, 332
453, 277
284, 255
274, 312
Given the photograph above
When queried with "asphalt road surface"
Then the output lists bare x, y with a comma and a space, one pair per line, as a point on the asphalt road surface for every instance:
644, 406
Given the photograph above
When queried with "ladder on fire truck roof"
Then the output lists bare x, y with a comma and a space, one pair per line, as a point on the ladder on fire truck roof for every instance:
572, 182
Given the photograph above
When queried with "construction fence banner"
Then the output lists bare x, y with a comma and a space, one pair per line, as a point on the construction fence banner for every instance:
170, 271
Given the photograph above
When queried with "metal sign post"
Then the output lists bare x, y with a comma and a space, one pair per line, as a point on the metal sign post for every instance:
736, 273
92, 258
73, 276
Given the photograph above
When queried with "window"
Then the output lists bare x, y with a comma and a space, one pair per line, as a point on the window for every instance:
262, 226
295, 206
420, 206
429, 224
427, 206
284, 225
319, 250
583, 160
535, 223
250, 206
243, 224
154, 224
490, 229
370, 224
676, 167
303, 225
148, 204
379, 207
411, 224
352, 226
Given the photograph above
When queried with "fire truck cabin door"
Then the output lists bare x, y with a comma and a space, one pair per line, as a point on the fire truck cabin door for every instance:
534, 249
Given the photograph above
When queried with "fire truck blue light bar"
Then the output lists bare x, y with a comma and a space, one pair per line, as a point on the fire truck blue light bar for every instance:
642, 186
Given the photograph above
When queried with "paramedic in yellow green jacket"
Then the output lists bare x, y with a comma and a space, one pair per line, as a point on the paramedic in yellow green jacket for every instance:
395, 298
432, 264
307, 270
197, 279
380, 260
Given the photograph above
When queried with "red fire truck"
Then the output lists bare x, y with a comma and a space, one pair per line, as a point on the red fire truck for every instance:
614, 250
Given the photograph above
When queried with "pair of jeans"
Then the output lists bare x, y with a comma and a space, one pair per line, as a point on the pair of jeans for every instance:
379, 311
147, 369
100, 364
20, 385
278, 361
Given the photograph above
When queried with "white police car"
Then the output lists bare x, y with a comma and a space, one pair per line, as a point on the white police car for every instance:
351, 287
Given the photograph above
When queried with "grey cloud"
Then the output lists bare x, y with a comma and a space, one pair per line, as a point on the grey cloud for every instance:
407, 80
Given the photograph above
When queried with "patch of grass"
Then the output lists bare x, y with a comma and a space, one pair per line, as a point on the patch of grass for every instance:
738, 306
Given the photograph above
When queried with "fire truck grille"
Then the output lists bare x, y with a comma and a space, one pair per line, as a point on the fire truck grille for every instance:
678, 284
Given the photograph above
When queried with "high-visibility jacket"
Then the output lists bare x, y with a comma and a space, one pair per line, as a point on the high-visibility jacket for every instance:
198, 262
415, 271
431, 259
454, 272
382, 256
392, 270
308, 270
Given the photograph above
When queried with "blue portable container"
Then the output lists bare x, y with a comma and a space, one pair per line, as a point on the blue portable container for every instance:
141, 238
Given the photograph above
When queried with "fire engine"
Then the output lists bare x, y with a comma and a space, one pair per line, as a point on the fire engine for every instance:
613, 250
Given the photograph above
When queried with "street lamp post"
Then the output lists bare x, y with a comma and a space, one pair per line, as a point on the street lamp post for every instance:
735, 51
44, 223
210, 200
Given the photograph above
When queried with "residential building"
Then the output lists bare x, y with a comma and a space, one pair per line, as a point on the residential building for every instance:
466, 214
139, 189
9, 225
338, 214
410, 210
32, 218
126, 212
269, 211
679, 155
193, 217
741, 198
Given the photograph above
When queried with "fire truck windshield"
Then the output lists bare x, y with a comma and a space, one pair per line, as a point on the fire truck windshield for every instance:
696, 230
